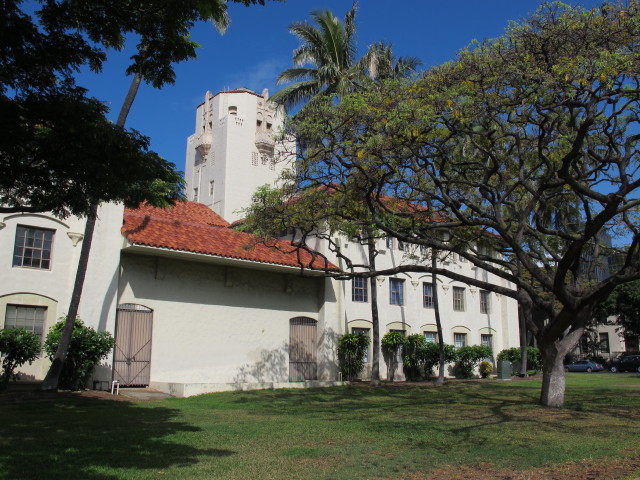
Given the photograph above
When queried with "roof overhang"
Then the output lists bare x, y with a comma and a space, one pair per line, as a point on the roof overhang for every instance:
216, 259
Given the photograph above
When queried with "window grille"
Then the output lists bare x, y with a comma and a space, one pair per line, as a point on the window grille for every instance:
396, 291
458, 299
32, 247
27, 317
459, 340
427, 295
359, 290
485, 302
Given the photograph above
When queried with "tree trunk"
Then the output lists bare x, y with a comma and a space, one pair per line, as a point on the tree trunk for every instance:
523, 339
52, 379
375, 324
436, 311
553, 376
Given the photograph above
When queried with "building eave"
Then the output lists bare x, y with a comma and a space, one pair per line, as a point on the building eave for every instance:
141, 249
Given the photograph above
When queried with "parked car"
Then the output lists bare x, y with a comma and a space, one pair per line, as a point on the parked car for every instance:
583, 366
628, 363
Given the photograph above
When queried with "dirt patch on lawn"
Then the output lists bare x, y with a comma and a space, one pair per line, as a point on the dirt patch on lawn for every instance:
34, 395
593, 469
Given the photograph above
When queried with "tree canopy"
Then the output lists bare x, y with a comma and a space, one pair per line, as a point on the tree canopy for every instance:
58, 152
524, 150
624, 304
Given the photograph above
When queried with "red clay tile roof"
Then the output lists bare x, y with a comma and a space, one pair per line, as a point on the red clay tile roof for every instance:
193, 227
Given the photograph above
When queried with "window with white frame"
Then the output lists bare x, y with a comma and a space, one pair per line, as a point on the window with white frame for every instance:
389, 242
367, 332
195, 194
431, 337
486, 340
359, 289
212, 186
396, 291
27, 317
32, 247
400, 245
427, 295
458, 299
485, 301
459, 340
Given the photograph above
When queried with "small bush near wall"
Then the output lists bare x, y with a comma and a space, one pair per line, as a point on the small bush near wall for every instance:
485, 368
468, 358
514, 355
86, 349
17, 347
352, 348
430, 357
412, 356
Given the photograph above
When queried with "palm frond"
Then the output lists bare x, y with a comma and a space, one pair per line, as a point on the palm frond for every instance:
295, 94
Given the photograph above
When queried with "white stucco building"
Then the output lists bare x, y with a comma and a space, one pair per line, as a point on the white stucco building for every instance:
194, 306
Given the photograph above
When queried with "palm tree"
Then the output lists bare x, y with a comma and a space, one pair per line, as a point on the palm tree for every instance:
379, 63
330, 49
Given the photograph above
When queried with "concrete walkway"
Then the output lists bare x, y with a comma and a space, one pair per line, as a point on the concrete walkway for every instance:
143, 394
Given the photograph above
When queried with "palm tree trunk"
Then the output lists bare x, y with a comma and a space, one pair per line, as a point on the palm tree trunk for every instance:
52, 379
128, 101
436, 310
375, 356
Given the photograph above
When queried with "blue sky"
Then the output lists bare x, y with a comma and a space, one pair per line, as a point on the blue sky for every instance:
258, 46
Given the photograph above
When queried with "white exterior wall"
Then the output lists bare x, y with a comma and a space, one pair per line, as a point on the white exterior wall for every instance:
414, 318
226, 124
52, 288
218, 328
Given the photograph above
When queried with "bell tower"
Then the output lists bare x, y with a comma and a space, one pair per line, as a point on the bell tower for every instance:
234, 150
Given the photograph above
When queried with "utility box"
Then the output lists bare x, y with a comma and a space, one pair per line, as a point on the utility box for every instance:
504, 370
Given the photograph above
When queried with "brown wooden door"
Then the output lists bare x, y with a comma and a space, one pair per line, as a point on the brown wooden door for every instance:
132, 353
303, 358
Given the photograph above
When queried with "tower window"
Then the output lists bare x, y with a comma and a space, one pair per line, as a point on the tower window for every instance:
211, 187
233, 110
195, 194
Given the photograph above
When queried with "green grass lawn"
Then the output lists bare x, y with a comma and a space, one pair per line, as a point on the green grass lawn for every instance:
330, 433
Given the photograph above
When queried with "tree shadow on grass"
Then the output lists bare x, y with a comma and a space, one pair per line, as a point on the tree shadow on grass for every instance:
79, 438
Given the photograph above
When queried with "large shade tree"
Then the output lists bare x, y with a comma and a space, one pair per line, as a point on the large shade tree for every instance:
543, 119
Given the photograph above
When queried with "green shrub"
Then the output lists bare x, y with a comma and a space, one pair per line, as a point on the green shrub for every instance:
485, 368
534, 359
17, 347
352, 348
430, 356
412, 357
86, 349
467, 358
392, 343
511, 354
